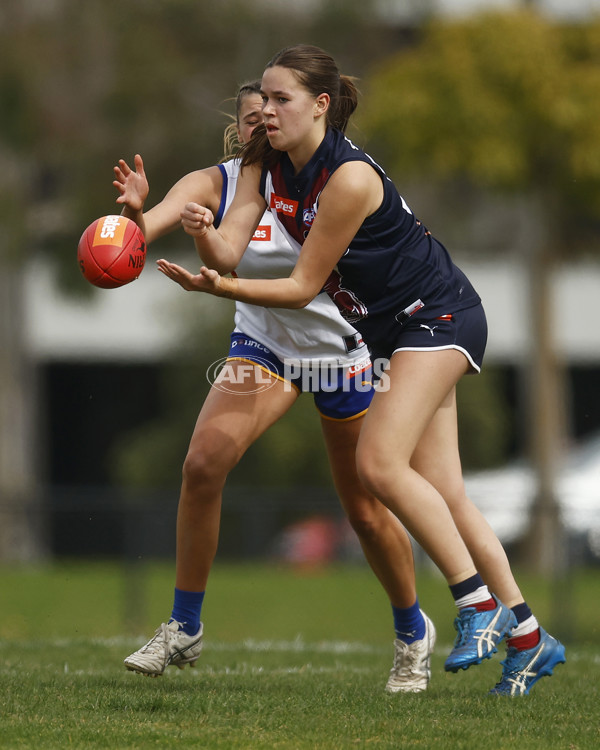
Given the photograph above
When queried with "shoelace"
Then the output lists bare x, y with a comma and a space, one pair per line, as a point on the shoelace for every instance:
154, 643
462, 627
507, 670
509, 675
410, 657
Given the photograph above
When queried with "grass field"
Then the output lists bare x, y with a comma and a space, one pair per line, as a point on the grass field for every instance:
291, 660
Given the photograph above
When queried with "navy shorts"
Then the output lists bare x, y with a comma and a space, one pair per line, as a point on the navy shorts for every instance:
340, 392
465, 330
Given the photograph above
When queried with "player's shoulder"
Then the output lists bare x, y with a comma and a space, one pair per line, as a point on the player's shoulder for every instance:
355, 179
200, 178
200, 186
231, 167
340, 146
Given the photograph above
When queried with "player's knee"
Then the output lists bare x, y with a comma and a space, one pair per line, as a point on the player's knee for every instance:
365, 522
368, 471
379, 476
204, 466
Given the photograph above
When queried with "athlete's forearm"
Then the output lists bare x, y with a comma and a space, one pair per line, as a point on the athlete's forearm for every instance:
156, 222
286, 293
215, 252
136, 215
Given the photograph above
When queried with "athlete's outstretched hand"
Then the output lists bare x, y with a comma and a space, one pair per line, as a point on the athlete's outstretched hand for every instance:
196, 219
132, 185
207, 280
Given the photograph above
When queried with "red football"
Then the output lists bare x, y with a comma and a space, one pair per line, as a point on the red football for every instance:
111, 252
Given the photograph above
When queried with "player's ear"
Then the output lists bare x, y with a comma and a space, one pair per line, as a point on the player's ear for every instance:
322, 104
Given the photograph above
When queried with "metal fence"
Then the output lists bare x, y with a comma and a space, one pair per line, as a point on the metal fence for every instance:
255, 523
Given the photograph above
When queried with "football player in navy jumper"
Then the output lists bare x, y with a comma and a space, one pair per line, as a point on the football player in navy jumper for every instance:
315, 338
358, 241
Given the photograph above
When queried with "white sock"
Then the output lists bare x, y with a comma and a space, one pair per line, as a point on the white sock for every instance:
481, 594
529, 625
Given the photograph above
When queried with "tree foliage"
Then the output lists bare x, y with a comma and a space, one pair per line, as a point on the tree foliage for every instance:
83, 84
508, 103
505, 101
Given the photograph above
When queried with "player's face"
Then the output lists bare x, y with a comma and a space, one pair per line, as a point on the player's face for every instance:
250, 116
294, 118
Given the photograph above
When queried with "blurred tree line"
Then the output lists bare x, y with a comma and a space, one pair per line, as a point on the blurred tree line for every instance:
81, 85
505, 108
488, 126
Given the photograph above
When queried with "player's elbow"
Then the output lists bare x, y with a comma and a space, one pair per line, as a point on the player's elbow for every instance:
298, 304
224, 268
301, 294
220, 264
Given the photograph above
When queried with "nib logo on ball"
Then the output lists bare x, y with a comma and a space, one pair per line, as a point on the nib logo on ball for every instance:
111, 252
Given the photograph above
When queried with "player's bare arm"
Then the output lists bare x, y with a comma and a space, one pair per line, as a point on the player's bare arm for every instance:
222, 248
353, 193
203, 186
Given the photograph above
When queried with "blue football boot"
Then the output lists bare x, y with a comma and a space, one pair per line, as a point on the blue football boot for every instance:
522, 669
478, 635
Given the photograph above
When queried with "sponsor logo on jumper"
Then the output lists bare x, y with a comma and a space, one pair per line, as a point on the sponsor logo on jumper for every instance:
262, 234
357, 368
353, 342
405, 314
431, 329
285, 206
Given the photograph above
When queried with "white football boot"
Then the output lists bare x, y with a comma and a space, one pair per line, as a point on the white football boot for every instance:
412, 663
169, 645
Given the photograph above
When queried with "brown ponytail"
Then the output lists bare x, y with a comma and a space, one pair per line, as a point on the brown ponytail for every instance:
346, 103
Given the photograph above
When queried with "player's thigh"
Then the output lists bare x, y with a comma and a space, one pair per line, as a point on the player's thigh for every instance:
341, 438
414, 386
232, 418
342, 414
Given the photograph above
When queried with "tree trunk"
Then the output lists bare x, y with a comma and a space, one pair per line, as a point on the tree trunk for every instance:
21, 521
545, 548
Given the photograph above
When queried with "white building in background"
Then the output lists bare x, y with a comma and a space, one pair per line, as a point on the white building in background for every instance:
142, 321
405, 10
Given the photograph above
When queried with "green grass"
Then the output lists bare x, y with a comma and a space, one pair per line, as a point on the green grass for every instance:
291, 660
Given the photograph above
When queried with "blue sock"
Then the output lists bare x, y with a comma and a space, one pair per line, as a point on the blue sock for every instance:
187, 606
409, 623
